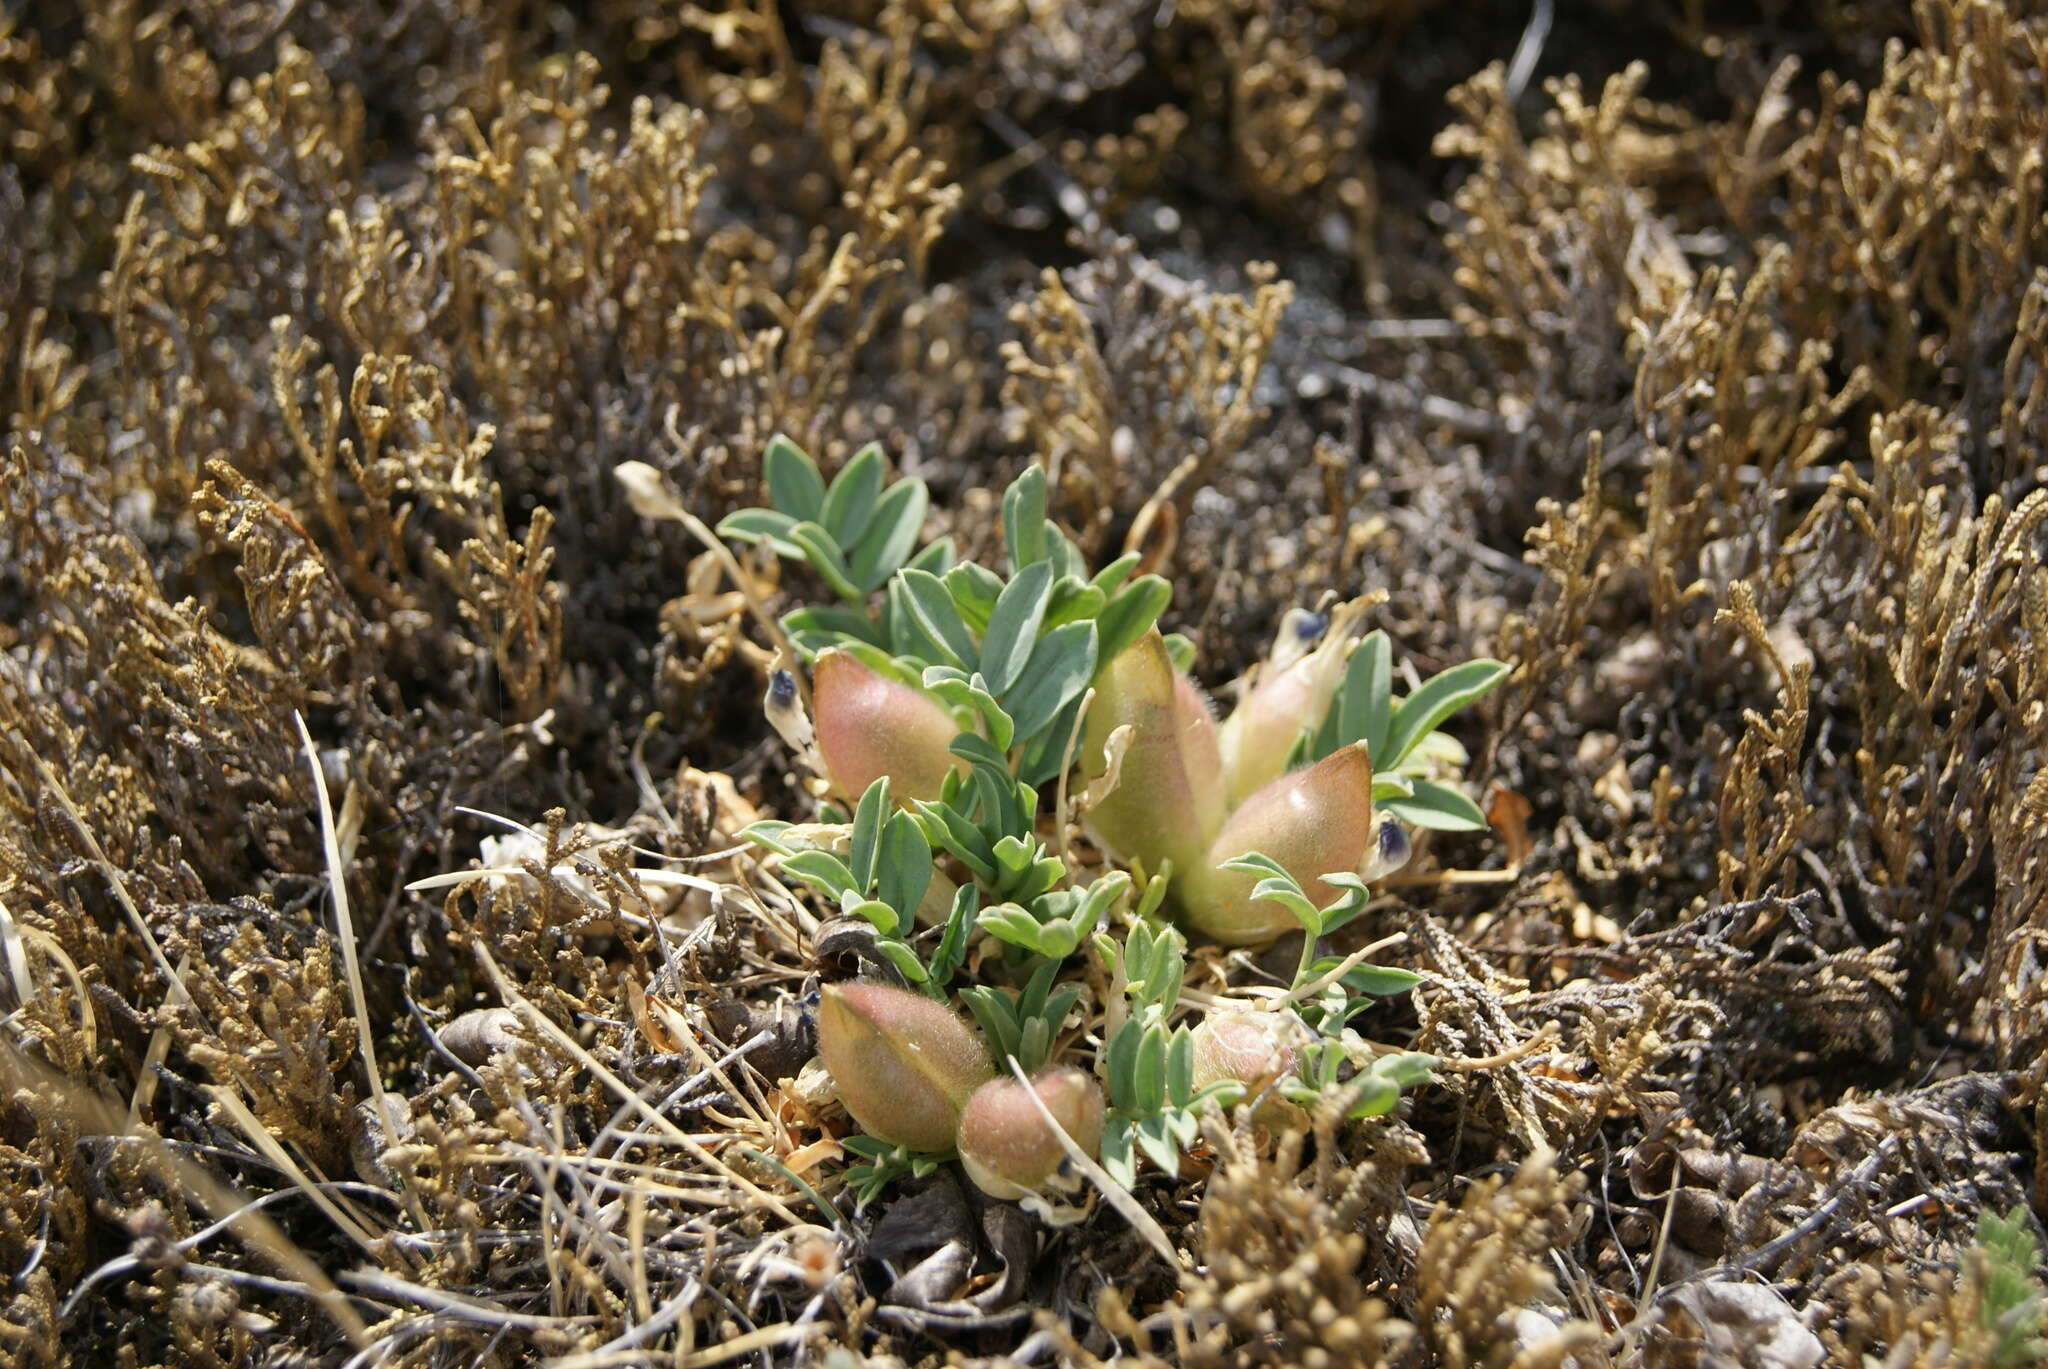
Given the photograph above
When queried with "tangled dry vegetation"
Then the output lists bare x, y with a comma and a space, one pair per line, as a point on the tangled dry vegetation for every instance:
1695, 363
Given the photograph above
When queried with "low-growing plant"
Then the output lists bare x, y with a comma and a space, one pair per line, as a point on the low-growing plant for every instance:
945, 699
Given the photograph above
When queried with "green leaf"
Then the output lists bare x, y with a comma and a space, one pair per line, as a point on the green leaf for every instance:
1380, 981
794, 485
975, 590
1438, 807
1014, 855
1013, 626
1407, 1069
868, 816
1180, 1068
972, 692
1024, 518
1117, 1159
1390, 784
822, 869
1065, 557
1121, 1065
933, 608
904, 958
850, 503
980, 750
1288, 895
1059, 670
876, 912
947, 827
905, 635
826, 558
952, 947
767, 833
1181, 651
1366, 701
997, 1018
1155, 1138
1149, 1077
1422, 712
1111, 577
1373, 1096
1073, 601
831, 624
892, 533
936, 558
1130, 614
761, 525
903, 869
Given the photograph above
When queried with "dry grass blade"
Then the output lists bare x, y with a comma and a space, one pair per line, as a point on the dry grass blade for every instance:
542, 1024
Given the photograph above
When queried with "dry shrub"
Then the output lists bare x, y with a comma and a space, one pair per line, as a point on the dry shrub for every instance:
316, 420
1123, 399
1284, 1250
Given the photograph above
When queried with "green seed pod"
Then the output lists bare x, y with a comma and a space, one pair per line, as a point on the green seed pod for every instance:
903, 1064
1168, 801
1005, 1145
869, 725
1256, 738
1312, 822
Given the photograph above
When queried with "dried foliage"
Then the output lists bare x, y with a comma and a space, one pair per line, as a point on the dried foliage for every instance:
1699, 370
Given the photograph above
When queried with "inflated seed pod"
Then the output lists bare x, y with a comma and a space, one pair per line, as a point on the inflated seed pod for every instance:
1006, 1147
1168, 801
868, 725
1311, 822
902, 1064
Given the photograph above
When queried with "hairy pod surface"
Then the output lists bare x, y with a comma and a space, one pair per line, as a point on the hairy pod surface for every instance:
1311, 822
869, 725
903, 1065
1251, 1049
1260, 732
1006, 1147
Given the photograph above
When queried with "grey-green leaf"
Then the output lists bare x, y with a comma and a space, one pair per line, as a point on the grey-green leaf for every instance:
868, 816
1438, 807
975, 589
1024, 518
1059, 669
794, 485
850, 502
1422, 712
891, 533
1013, 626
1367, 701
825, 557
933, 608
1130, 613
761, 525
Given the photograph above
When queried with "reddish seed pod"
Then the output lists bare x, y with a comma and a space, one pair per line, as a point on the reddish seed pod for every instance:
1312, 822
1005, 1145
902, 1064
869, 725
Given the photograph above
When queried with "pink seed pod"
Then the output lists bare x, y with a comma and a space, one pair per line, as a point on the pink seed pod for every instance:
1312, 822
869, 725
1005, 1145
1168, 801
902, 1064
1251, 1049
